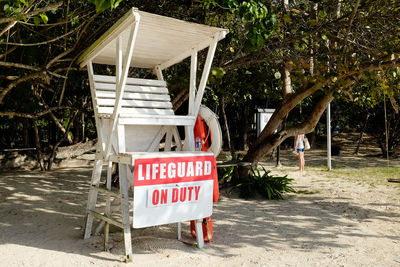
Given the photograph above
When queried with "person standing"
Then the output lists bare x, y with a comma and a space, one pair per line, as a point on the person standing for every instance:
299, 148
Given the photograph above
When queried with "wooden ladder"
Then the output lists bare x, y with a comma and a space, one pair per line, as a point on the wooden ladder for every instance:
123, 195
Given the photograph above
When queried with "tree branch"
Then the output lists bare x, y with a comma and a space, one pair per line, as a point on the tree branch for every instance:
44, 42
36, 75
352, 16
32, 14
18, 65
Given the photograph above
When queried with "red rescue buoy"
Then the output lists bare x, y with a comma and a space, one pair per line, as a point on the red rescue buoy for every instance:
200, 131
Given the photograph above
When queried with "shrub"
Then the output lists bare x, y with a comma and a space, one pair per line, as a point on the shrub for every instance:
272, 187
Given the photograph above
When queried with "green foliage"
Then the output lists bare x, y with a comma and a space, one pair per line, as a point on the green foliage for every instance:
258, 21
13, 7
102, 5
269, 186
225, 174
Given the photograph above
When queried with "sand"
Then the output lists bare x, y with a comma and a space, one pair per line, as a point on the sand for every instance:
334, 222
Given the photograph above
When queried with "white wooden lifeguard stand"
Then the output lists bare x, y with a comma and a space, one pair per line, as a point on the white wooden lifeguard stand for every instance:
134, 115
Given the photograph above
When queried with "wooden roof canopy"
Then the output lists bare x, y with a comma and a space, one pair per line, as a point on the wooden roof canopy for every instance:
161, 41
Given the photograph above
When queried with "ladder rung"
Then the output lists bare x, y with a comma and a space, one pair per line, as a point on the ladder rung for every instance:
105, 190
106, 219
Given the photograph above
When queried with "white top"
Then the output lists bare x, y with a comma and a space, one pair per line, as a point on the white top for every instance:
300, 142
161, 41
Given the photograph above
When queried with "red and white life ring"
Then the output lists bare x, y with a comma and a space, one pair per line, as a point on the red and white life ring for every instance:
214, 130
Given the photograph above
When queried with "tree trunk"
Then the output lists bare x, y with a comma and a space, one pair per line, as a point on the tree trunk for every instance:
56, 145
235, 179
245, 128
361, 135
77, 129
25, 125
228, 136
62, 129
268, 140
37, 143
83, 127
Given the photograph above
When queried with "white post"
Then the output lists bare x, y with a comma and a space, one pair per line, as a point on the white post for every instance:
158, 71
99, 125
192, 85
189, 136
118, 67
120, 86
204, 76
328, 136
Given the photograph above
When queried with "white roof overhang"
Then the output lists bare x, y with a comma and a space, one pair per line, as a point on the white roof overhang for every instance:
161, 41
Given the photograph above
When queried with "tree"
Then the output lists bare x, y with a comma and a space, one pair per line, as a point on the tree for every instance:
39, 43
362, 41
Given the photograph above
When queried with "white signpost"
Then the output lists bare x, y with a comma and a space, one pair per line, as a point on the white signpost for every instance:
169, 190
263, 116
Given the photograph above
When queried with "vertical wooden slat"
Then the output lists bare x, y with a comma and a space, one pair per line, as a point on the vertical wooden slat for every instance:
118, 66
124, 186
99, 126
156, 141
92, 198
199, 234
192, 85
189, 138
177, 138
204, 76
107, 212
168, 139
157, 70
179, 231
121, 83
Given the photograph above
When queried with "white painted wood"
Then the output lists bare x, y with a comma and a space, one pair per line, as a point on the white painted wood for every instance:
179, 231
130, 81
199, 234
108, 186
99, 46
121, 138
204, 76
161, 41
100, 134
177, 138
168, 139
139, 137
105, 112
133, 115
92, 198
107, 212
137, 96
123, 184
158, 72
189, 138
118, 66
132, 88
130, 157
199, 46
134, 103
328, 137
122, 82
155, 143
158, 120
192, 85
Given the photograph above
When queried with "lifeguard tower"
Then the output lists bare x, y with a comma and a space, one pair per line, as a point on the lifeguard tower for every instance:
134, 115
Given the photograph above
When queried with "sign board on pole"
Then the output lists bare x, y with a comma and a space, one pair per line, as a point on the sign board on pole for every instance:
263, 116
172, 189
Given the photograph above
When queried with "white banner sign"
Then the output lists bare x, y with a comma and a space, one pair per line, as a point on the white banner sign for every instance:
169, 190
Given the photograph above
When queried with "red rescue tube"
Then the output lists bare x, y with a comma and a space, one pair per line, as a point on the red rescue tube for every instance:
200, 130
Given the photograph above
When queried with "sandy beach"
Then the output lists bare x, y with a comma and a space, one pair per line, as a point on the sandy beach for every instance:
333, 221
